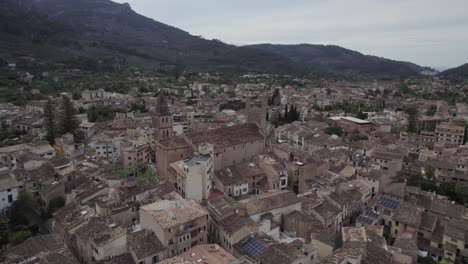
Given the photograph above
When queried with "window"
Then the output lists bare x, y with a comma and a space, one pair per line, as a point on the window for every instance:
155, 259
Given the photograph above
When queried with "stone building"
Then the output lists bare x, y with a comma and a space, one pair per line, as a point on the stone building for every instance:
178, 223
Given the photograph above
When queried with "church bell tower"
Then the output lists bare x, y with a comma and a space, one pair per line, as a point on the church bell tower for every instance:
162, 120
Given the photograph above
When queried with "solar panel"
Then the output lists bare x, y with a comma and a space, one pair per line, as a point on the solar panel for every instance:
372, 214
365, 220
388, 202
253, 247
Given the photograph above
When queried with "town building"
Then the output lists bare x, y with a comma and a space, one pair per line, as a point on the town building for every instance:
178, 223
193, 177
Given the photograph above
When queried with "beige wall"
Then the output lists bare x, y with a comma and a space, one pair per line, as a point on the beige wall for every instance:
323, 250
228, 156
147, 222
308, 172
164, 157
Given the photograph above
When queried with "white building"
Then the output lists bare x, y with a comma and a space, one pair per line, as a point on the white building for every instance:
193, 177
8, 191
107, 149
88, 129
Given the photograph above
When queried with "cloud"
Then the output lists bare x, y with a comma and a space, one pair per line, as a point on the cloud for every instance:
427, 32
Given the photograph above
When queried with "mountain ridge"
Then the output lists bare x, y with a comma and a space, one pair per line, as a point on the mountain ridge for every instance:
333, 57
107, 31
459, 73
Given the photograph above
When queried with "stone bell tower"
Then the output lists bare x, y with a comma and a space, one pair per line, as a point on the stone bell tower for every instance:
162, 119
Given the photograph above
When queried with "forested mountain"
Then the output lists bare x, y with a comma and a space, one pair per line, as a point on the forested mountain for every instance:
105, 32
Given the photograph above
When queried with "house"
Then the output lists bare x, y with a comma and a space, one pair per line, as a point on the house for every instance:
241, 179
264, 249
207, 253
193, 177
40, 249
32, 124
88, 129
178, 223
228, 223
351, 124
276, 203
276, 173
9, 191
450, 133
301, 224
455, 241
100, 239
106, 148
67, 146
145, 247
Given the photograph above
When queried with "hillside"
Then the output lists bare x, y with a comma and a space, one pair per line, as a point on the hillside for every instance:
459, 73
338, 59
104, 32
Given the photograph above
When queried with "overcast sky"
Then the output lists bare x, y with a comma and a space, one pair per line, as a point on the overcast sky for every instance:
428, 32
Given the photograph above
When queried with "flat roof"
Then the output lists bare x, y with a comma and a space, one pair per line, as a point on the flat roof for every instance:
351, 119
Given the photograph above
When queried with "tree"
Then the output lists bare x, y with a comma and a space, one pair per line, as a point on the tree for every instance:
55, 204
68, 122
285, 118
267, 116
412, 113
20, 236
362, 115
276, 97
49, 112
431, 111
291, 114
78, 136
297, 115
334, 130
429, 171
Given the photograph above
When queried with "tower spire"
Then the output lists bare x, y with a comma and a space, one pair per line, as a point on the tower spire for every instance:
162, 109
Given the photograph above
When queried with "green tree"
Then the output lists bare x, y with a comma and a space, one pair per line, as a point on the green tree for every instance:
285, 118
68, 121
291, 114
426, 260
362, 115
20, 236
429, 170
334, 130
432, 110
276, 98
49, 113
55, 204
412, 113
78, 136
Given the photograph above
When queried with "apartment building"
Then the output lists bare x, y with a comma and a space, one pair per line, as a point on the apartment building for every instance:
193, 177
178, 223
